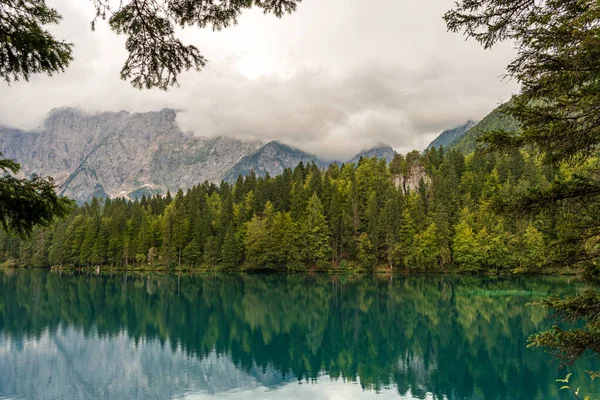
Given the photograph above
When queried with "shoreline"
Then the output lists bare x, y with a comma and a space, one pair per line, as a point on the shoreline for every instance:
381, 271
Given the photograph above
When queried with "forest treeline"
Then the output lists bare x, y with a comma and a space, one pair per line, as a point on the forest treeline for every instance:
425, 212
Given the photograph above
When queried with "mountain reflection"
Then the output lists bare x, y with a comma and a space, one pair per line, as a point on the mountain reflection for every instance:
67, 364
253, 336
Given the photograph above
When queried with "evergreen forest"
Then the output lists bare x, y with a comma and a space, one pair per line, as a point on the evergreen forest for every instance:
437, 211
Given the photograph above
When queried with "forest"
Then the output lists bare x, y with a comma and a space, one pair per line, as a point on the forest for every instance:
436, 211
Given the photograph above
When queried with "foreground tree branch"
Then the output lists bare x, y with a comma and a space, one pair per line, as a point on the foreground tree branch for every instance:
25, 203
558, 108
156, 55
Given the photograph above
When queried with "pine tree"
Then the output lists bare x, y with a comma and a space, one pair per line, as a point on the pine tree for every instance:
100, 249
56, 256
532, 256
92, 228
286, 251
233, 249
315, 233
406, 236
255, 241
169, 254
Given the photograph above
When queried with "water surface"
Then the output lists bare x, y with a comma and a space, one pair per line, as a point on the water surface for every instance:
132, 336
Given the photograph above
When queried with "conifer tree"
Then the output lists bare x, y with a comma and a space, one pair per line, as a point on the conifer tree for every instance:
365, 253
315, 233
255, 241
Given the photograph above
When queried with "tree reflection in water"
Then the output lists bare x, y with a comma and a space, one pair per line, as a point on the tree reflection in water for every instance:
159, 336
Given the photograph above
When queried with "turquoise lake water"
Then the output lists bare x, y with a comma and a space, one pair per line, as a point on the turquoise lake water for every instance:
151, 336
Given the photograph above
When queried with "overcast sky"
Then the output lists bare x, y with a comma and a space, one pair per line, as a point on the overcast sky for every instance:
336, 77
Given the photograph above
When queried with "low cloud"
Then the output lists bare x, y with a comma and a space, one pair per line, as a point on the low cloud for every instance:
335, 116
348, 92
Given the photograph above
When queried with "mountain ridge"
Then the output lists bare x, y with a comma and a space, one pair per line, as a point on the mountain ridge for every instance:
119, 152
127, 154
450, 137
496, 120
275, 156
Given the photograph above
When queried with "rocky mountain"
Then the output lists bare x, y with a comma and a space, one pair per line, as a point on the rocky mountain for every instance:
114, 154
275, 156
272, 158
385, 152
123, 366
451, 136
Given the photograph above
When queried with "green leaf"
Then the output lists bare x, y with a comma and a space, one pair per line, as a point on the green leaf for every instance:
565, 387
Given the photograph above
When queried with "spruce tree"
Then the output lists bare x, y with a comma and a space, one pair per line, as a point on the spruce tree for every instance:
557, 66
315, 233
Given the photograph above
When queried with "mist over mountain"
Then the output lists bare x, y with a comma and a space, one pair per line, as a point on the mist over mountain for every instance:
496, 120
114, 154
464, 137
111, 154
275, 156
451, 136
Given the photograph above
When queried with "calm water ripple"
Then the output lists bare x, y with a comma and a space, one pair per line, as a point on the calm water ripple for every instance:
134, 336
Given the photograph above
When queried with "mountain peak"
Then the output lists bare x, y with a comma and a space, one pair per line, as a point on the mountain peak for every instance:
451, 136
128, 154
383, 151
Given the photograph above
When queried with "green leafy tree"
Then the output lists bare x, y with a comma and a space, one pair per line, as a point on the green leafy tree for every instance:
152, 256
56, 255
425, 251
466, 250
100, 250
92, 228
232, 251
365, 253
532, 255
286, 249
406, 236
171, 246
494, 247
212, 251
392, 218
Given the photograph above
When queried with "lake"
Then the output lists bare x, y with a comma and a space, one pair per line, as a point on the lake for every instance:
151, 336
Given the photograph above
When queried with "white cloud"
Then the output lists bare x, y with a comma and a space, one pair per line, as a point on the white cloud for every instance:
333, 78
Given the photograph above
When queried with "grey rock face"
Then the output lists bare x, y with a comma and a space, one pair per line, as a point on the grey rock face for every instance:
411, 182
272, 158
129, 154
67, 363
114, 154
385, 152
